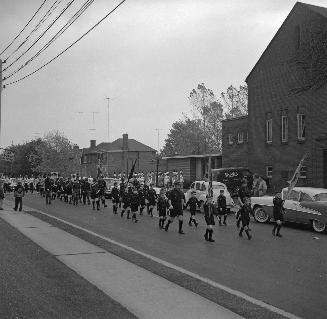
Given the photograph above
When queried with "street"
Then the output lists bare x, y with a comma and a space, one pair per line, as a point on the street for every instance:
289, 273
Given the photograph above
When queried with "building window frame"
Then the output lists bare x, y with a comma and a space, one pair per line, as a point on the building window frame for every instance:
269, 137
284, 125
301, 127
240, 137
230, 139
269, 171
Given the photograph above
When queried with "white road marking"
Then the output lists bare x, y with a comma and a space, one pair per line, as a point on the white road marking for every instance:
182, 270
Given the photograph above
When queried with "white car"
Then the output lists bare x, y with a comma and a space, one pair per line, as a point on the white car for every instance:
201, 189
305, 205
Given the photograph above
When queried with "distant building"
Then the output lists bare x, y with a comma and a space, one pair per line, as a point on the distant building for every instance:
283, 126
117, 156
194, 167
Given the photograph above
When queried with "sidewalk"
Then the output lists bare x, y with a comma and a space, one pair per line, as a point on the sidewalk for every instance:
143, 293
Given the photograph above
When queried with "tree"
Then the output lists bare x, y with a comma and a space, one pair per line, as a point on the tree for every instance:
214, 127
55, 154
235, 101
185, 137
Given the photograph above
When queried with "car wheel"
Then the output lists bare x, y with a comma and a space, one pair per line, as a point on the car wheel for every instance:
318, 226
260, 215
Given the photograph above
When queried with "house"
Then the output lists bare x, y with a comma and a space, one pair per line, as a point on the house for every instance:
287, 105
117, 156
194, 167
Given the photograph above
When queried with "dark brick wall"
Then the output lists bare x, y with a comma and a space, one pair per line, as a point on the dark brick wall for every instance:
235, 154
269, 87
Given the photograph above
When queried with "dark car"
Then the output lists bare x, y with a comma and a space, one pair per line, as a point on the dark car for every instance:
232, 177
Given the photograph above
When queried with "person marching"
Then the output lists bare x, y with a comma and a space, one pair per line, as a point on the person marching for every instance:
102, 189
162, 206
95, 195
69, 190
115, 197
222, 207
193, 202
135, 203
85, 190
19, 193
54, 189
244, 214
176, 202
76, 190
278, 214
243, 193
126, 199
152, 196
121, 190
209, 217
48, 187
142, 197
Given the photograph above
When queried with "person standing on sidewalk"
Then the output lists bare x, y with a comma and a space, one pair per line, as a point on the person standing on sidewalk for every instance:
19, 193
48, 188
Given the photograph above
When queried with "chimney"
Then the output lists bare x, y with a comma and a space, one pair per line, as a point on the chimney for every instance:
93, 143
75, 147
125, 142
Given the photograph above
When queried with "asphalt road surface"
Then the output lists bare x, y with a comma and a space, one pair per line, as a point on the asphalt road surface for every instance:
289, 273
35, 285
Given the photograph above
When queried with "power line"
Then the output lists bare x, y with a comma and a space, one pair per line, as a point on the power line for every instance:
84, 7
26, 25
39, 24
42, 34
71, 45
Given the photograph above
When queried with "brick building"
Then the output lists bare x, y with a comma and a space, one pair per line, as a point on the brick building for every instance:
283, 126
117, 156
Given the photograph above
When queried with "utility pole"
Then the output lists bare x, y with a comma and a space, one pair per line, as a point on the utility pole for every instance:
158, 132
0, 94
108, 98
157, 159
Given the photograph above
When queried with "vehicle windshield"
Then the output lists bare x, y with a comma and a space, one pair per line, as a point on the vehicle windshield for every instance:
218, 187
322, 197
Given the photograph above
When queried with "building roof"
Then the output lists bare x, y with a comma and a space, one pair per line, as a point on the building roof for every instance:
319, 10
117, 146
191, 156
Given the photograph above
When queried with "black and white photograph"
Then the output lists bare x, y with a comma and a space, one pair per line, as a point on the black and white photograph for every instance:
163, 159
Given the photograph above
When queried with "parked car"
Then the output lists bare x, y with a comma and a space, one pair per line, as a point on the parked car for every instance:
110, 184
305, 205
232, 177
201, 188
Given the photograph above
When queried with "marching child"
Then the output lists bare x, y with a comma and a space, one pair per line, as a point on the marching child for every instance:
278, 214
19, 193
135, 203
244, 214
95, 195
115, 197
222, 207
126, 203
162, 206
142, 197
209, 217
193, 203
152, 196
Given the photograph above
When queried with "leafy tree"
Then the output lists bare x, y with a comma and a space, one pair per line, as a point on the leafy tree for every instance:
185, 137
55, 154
235, 101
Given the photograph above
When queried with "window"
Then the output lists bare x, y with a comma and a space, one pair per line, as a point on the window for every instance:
301, 127
303, 172
304, 197
192, 186
230, 139
203, 187
240, 137
269, 171
284, 129
269, 131
294, 195
197, 186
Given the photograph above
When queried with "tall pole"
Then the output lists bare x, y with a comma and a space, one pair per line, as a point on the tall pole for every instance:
107, 98
0, 94
158, 132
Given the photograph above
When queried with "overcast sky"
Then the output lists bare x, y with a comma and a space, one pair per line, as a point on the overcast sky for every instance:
147, 57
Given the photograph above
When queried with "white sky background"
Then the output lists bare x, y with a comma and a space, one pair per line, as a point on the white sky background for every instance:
147, 57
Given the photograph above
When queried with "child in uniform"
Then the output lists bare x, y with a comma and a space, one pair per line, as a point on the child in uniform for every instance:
193, 202
115, 197
244, 214
19, 193
222, 207
278, 214
152, 196
162, 206
126, 203
135, 203
209, 217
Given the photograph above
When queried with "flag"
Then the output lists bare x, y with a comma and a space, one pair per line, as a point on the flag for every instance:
132, 171
295, 177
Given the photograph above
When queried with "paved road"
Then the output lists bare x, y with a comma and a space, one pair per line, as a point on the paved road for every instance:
35, 285
289, 273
